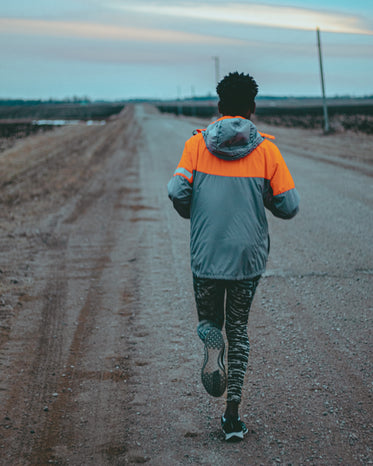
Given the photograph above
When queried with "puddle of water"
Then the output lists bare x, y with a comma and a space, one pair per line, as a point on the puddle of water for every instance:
68, 122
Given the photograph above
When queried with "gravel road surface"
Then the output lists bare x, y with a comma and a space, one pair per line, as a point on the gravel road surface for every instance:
99, 358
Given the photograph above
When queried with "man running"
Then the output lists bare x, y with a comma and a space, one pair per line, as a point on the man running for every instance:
227, 175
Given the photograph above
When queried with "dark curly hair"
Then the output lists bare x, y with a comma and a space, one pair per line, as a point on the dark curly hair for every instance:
237, 92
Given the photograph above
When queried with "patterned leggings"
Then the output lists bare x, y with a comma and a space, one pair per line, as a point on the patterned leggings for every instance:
210, 296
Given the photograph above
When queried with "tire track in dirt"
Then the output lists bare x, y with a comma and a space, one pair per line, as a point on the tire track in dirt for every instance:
68, 381
57, 351
68, 386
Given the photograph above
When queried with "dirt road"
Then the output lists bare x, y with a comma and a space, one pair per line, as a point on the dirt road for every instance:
99, 359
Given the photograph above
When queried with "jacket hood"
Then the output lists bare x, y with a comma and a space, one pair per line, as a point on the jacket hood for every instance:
231, 138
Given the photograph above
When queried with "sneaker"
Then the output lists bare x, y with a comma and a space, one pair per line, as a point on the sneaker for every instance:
233, 429
203, 328
213, 374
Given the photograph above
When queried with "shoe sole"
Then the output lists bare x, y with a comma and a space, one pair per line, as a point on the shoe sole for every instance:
235, 436
213, 375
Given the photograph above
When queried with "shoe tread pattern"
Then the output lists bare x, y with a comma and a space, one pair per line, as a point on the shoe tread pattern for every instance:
214, 381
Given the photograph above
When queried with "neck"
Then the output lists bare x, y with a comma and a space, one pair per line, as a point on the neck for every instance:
247, 117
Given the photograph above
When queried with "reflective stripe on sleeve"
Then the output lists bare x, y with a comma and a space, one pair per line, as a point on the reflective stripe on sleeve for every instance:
185, 173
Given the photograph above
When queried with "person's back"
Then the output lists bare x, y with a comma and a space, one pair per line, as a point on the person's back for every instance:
235, 172
227, 175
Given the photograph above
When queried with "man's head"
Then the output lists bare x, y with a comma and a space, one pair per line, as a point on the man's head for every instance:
237, 92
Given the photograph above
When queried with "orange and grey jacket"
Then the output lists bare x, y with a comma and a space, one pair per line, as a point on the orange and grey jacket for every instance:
226, 176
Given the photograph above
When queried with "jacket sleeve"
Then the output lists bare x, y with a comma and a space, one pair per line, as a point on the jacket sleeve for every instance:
180, 186
280, 195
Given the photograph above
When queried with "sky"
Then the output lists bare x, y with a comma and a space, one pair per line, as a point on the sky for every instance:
120, 49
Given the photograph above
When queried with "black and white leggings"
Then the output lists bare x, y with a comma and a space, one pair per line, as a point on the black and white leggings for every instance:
237, 295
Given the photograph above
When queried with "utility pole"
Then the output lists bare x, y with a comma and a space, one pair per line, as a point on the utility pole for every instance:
326, 120
217, 71
179, 105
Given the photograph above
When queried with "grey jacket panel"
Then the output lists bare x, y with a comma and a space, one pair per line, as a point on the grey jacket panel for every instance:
284, 205
232, 138
180, 193
229, 231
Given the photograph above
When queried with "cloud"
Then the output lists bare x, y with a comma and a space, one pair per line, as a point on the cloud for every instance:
105, 32
256, 14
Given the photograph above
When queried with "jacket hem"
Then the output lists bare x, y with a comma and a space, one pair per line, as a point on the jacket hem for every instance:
229, 277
